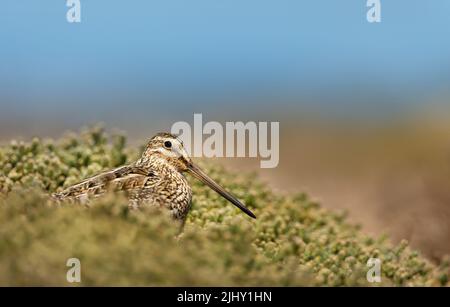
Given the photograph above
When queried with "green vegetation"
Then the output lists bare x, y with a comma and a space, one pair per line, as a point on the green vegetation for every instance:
293, 242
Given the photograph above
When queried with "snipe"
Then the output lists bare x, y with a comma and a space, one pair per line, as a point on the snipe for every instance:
155, 179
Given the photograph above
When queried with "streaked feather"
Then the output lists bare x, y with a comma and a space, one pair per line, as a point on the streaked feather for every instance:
124, 178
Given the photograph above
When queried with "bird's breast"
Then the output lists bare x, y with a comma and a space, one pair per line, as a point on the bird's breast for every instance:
171, 191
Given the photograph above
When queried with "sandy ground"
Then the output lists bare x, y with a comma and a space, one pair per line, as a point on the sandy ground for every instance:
393, 181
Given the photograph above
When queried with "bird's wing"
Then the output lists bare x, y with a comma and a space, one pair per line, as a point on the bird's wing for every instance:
124, 178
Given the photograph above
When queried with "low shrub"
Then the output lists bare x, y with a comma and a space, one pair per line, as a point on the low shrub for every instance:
294, 241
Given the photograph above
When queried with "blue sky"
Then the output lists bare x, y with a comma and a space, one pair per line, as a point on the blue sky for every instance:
188, 50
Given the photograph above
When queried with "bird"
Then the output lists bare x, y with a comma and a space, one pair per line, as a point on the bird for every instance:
155, 179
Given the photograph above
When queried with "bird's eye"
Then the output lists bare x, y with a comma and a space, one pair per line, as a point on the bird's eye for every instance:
167, 144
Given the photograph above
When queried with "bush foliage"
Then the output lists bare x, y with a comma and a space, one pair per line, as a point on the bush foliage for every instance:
294, 241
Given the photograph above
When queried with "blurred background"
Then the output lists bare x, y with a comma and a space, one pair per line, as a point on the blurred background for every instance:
364, 108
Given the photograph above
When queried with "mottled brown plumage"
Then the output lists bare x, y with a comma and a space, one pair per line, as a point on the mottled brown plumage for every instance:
155, 179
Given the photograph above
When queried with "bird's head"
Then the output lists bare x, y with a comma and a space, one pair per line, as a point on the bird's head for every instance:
168, 147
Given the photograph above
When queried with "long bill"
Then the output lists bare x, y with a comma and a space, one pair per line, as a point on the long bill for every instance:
200, 175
